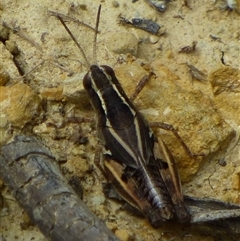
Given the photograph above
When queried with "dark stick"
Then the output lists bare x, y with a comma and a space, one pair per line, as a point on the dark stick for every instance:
31, 173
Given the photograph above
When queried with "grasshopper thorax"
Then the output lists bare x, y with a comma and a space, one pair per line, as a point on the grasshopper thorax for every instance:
99, 77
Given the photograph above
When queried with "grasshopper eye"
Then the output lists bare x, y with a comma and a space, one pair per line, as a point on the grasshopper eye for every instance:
107, 70
110, 72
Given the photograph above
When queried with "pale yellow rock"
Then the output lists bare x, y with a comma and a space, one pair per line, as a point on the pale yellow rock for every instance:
54, 93
225, 79
19, 103
129, 76
4, 76
153, 39
74, 92
235, 182
122, 234
190, 112
6, 61
77, 165
225, 82
122, 43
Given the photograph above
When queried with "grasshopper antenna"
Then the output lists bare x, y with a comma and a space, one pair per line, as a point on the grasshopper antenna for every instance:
95, 36
74, 39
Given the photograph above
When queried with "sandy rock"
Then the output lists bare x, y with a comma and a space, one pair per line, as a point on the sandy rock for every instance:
6, 59
12, 47
122, 45
5, 134
225, 79
191, 112
4, 33
19, 104
74, 92
122, 234
4, 76
115, 4
54, 93
225, 83
153, 39
129, 75
77, 165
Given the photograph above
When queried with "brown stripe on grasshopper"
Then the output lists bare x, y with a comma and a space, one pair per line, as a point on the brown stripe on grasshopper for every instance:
141, 168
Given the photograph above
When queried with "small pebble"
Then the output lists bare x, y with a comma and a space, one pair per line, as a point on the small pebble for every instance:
123, 43
122, 234
153, 39
115, 4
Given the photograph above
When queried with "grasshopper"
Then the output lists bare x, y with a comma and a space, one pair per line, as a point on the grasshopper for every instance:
139, 165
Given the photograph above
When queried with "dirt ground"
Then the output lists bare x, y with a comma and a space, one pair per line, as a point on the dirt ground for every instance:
195, 58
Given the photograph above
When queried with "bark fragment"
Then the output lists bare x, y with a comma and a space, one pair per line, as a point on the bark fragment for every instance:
31, 173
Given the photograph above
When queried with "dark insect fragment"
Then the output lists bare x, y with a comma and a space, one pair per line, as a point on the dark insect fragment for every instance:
140, 23
188, 49
159, 5
196, 73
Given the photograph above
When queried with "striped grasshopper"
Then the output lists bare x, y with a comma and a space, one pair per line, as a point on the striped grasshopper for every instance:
139, 165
